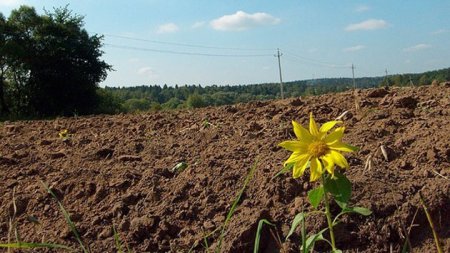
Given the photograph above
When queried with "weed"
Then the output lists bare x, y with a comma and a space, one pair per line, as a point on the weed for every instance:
67, 218
430, 221
234, 206
25, 245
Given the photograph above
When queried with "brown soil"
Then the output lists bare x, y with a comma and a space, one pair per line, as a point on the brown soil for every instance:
115, 170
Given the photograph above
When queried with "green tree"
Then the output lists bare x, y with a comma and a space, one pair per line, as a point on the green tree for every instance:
54, 65
172, 103
108, 102
195, 101
137, 104
424, 80
3, 107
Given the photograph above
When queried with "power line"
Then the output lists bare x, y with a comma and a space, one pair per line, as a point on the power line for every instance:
313, 61
186, 45
183, 52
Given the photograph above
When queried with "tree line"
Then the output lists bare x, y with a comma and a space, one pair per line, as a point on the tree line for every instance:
49, 64
154, 97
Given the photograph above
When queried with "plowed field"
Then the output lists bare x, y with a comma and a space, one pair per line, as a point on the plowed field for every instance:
116, 170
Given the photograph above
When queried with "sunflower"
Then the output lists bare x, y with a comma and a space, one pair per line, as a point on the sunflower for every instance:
316, 148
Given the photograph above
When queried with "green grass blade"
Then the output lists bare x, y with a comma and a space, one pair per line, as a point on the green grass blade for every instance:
285, 169
430, 221
117, 240
235, 204
67, 217
258, 233
32, 245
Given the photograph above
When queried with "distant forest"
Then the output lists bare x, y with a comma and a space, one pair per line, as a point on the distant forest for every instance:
142, 98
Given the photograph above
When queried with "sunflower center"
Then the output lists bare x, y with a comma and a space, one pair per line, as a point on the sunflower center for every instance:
318, 148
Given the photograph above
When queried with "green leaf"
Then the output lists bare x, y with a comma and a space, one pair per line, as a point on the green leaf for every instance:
297, 219
340, 187
360, 210
312, 239
179, 167
258, 233
315, 196
336, 251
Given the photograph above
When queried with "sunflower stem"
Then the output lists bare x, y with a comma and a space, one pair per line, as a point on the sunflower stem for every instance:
328, 214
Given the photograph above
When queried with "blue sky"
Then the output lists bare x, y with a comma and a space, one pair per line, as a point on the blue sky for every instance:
234, 42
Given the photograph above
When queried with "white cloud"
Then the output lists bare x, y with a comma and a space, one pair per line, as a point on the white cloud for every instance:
198, 24
362, 8
354, 48
417, 47
370, 24
167, 28
148, 72
11, 3
241, 21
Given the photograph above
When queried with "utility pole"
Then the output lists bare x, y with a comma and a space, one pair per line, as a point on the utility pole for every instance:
386, 77
279, 68
353, 73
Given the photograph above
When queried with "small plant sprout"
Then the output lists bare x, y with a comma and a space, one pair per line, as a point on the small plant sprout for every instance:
207, 124
64, 135
319, 149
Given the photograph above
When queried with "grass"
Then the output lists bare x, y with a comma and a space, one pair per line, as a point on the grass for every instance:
67, 218
234, 206
33, 245
230, 213
25, 245
118, 242
430, 221
261, 223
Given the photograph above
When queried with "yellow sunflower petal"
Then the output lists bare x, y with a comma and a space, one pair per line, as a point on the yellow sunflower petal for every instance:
328, 125
300, 167
335, 136
295, 157
301, 133
294, 146
340, 146
338, 159
313, 126
328, 163
316, 169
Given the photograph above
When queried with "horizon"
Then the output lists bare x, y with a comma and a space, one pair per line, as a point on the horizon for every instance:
215, 43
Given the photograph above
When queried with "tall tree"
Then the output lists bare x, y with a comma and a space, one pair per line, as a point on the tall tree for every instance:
3, 107
55, 63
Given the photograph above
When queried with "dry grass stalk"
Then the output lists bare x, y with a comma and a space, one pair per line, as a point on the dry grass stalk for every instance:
437, 173
384, 152
368, 164
342, 115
